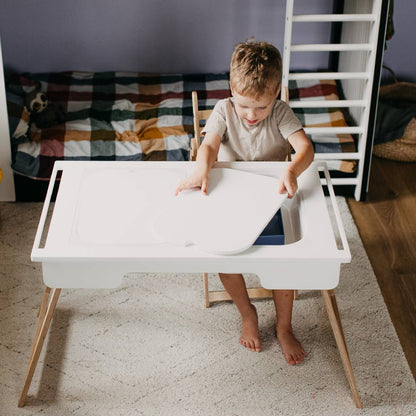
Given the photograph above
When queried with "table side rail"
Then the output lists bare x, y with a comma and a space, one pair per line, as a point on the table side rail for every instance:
345, 250
37, 250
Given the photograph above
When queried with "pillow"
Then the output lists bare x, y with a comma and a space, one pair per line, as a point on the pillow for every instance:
18, 118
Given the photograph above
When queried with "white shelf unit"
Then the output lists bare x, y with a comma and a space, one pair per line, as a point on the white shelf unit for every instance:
362, 31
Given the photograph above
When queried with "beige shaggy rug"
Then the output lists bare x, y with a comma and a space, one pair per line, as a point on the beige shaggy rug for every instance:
150, 348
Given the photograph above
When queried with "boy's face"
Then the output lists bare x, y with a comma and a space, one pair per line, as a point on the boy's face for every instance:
252, 111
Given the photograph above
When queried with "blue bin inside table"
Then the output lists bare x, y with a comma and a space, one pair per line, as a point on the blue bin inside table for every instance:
273, 234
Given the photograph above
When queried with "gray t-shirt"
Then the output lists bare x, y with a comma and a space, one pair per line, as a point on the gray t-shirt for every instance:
263, 141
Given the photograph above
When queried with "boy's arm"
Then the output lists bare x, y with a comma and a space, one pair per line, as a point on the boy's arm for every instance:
207, 155
301, 160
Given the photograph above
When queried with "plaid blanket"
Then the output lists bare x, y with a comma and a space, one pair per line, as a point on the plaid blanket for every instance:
133, 116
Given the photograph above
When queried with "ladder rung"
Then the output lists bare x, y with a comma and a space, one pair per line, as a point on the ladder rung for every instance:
331, 47
326, 103
328, 75
334, 130
334, 18
341, 181
338, 156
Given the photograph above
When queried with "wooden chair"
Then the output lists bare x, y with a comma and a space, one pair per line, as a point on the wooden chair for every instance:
221, 295
198, 115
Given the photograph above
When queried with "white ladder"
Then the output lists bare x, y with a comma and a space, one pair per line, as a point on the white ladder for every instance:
356, 64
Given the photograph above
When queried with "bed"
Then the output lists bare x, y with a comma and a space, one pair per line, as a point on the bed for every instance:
137, 117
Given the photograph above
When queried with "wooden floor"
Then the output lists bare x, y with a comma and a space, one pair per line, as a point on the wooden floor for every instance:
387, 225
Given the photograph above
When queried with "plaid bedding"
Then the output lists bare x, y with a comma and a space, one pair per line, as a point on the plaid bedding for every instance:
134, 116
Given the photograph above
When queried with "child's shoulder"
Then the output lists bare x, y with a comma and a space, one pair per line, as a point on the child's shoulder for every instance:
224, 105
279, 104
280, 108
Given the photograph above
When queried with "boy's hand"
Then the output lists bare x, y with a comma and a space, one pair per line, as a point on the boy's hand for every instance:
196, 180
289, 183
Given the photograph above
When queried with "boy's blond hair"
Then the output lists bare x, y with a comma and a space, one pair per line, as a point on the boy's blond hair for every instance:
255, 69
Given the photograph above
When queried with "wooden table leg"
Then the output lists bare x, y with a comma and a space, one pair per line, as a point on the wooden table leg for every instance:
41, 316
207, 302
46, 310
335, 320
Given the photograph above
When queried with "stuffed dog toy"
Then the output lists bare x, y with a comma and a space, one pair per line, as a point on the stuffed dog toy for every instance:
42, 113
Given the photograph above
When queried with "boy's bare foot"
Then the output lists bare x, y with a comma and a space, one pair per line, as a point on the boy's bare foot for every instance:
291, 347
250, 336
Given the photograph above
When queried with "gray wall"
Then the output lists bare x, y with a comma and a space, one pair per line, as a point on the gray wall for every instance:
400, 54
167, 35
138, 35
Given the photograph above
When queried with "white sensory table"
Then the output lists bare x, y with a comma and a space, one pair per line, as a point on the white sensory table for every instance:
103, 226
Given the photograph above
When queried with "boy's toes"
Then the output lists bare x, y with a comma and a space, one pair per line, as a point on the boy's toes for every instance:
298, 358
290, 359
251, 345
245, 343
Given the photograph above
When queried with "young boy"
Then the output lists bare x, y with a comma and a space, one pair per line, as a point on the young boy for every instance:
254, 125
